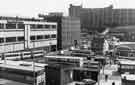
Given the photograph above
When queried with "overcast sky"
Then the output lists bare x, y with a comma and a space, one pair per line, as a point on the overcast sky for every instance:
33, 7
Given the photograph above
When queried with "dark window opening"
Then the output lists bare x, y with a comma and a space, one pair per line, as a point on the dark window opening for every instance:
20, 38
39, 26
11, 39
54, 26
1, 40
32, 37
39, 37
47, 36
53, 36
1, 26
33, 26
11, 26
21, 26
47, 26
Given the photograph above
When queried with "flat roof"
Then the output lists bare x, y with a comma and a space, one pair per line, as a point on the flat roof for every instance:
37, 22
10, 82
86, 69
127, 62
90, 61
10, 62
20, 65
26, 68
61, 65
128, 76
66, 57
30, 22
127, 45
130, 28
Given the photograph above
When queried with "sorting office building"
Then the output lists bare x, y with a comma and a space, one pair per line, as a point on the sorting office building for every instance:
19, 34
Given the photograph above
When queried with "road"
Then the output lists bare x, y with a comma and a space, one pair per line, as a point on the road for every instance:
113, 76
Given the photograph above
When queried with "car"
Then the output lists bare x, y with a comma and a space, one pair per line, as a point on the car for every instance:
89, 81
79, 83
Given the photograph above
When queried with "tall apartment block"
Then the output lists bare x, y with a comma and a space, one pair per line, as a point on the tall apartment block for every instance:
68, 29
99, 18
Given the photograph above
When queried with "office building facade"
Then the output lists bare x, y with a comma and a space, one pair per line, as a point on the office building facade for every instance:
18, 34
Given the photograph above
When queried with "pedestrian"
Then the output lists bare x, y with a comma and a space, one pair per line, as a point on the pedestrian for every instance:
113, 83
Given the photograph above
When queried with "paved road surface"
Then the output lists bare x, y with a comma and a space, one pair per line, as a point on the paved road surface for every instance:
109, 70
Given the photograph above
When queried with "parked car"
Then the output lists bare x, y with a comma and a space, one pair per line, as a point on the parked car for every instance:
89, 81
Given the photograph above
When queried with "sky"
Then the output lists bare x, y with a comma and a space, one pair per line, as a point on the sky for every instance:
32, 8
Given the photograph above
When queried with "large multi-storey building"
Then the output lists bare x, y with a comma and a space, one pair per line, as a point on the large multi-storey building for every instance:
19, 34
99, 18
92, 19
68, 29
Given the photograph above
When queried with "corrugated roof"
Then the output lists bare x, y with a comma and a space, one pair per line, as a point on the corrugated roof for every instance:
124, 28
10, 82
130, 46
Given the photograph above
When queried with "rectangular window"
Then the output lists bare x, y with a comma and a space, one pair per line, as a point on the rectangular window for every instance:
11, 26
33, 26
47, 26
11, 39
54, 26
1, 40
21, 26
20, 38
32, 37
39, 26
1, 26
39, 37
47, 36
53, 36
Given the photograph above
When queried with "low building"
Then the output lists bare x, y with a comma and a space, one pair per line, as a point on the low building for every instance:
124, 33
59, 74
65, 69
24, 72
126, 69
128, 79
90, 70
126, 50
126, 66
10, 82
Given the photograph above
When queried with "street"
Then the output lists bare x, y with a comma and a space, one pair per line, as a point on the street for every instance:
113, 76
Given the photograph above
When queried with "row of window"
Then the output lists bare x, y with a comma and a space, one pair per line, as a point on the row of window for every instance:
22, 26
33, 26
11, 39
38, 37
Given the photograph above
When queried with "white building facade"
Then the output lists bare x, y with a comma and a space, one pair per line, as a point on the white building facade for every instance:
21, 34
